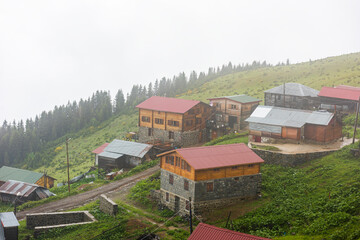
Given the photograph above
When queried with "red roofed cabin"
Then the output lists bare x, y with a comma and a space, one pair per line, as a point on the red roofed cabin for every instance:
212, 176
179, 121
343, 97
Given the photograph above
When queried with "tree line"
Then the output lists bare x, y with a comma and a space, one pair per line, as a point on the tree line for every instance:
21, 142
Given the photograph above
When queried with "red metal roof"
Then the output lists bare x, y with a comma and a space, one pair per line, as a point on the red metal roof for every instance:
100, 149
342, 92
218, 156
207, 232
165, 104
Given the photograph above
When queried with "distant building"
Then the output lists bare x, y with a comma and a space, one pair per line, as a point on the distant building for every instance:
21, 192
178, 121
22, 175
207, 232
293, 124
341, 98
9, 226
212, 176
295, 95
231, 111
124, 154
99, 150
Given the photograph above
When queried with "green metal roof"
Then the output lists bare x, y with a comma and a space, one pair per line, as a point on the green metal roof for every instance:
21, 175
240, 98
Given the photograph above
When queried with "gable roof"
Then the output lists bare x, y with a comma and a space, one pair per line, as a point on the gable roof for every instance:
117, 148
100, 149
205, 232
165, 104
22, 175
218, 156
294, 89
288, 117
342, 92
24, 189
239, 98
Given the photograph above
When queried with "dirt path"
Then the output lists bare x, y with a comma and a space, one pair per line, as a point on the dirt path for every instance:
83, 198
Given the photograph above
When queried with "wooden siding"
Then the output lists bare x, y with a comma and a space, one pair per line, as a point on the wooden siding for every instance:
201, 111
176, 169
225, 172
291, 133
47, 182
145, 113
323, 133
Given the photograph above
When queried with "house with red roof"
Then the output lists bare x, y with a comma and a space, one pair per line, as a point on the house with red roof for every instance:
178, 121
207, 232
97, 151
343, 98
212, 176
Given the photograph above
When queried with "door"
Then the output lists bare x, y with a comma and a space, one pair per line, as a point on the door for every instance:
177, 204
232, 121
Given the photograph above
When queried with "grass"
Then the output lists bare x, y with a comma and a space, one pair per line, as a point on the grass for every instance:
229, 139
268, 148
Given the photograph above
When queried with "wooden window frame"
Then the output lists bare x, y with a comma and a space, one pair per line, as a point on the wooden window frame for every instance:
173, 123
171, 179
234, 167
159, 121
233, 106
177, 161
210, 187
145, 119
186, 185
251, 165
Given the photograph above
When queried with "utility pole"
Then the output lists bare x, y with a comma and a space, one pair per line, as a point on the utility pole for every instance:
356, 119
67, 159
190, 220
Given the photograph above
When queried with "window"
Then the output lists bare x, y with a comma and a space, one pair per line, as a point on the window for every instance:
236, 179
234, 167
145, 119
187, 205
188, 168
159, 121
167, 197
177, 162
210, 187
171, 135
278, 97
185, 166
189, 122
173, 123
171, 179
216, 169
186, 185
150, 132
169, 160
232, 106
198, 120
251, 165
182, 164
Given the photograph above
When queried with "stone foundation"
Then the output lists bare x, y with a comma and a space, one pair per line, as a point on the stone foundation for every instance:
107, 205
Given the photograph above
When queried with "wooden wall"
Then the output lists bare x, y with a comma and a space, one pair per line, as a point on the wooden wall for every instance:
200, 111
176, 169
320, 133
49, 182
291, 133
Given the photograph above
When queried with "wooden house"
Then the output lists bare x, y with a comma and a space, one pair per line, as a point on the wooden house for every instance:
9, 226
124, 154
232, 111
179, 121
206, 232
292, 95
22, 175
293, 124
211, 176
341, 98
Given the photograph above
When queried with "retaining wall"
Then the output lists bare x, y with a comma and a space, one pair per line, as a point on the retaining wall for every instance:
107, 205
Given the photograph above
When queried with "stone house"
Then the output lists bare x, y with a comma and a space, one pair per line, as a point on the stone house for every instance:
124, 154
268, 122
232, 111
211, 176
341, 98
22, 175
178, 121
292, 95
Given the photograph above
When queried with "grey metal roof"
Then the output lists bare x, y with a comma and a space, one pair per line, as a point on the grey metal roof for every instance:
288, 117
8, 219
134, 149
294, 89
111, 155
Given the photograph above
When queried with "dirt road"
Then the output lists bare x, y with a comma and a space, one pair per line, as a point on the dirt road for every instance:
86, 197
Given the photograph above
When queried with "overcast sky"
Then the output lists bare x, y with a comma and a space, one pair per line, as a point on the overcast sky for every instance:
55, 51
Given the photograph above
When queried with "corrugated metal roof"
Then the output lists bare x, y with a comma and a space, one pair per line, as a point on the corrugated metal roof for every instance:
8, 219
23, 189
288, 117
134, 149
111, 155
22, 175
218, 156
342, 92
100, 149
207, 232
294, 89
239, 98
165, 104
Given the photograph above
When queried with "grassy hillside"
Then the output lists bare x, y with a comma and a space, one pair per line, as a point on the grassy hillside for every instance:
330, 71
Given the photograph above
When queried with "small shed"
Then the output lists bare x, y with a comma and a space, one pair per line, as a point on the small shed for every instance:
9, 226
22, 192
205, 232
124, 154
22, 175
99, 150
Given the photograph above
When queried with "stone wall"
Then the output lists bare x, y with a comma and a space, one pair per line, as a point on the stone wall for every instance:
57, 218
177, 186
288, 160
107, 205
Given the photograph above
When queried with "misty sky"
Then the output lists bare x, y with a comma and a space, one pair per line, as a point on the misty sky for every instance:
55, 51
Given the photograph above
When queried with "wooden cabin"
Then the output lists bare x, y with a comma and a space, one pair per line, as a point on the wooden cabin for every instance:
232, 111
179, 121
209, 175
341, 98
22, 175
293, 124
292, 95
